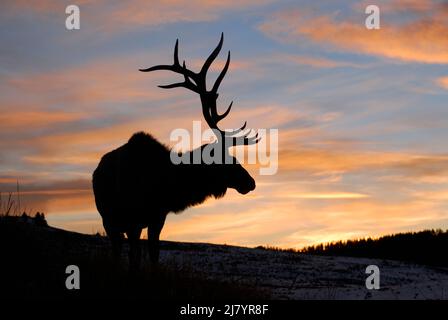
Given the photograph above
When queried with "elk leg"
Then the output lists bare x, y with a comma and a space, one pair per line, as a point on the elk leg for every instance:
153, 239
134, 249
116, 239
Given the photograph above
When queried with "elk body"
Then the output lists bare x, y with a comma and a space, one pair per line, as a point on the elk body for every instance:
137, 185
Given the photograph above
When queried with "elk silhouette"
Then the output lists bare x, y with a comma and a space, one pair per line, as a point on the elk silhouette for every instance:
137, 184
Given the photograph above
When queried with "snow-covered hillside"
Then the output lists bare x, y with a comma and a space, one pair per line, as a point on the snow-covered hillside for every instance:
298, 276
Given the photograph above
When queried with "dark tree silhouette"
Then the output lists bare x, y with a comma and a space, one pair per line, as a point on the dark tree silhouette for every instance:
426, 247
137, 185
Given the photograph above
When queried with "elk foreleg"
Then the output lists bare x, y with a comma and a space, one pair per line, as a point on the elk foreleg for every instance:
116, 239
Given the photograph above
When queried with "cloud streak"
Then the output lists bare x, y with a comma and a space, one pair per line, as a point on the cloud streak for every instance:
108, 16
420, 40
443, 82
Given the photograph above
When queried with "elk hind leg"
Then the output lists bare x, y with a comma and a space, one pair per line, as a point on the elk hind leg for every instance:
134, 249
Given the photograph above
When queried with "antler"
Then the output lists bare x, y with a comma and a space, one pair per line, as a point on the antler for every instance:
176, 67
197, 82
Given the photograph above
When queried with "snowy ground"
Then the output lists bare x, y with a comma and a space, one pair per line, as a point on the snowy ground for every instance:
285, 275
298, 276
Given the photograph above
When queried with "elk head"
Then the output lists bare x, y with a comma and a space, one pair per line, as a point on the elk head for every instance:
236, 176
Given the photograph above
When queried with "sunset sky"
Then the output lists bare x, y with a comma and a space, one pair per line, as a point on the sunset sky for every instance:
362, 114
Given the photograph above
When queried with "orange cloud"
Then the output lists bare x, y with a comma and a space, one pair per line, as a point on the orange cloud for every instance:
316, 62
393, 6
330, 195
443, 82
97, 81
17, 119
411, 5
422, 40
82, 200
55, 192
54, 200
87, 146
8, 180
343, 158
